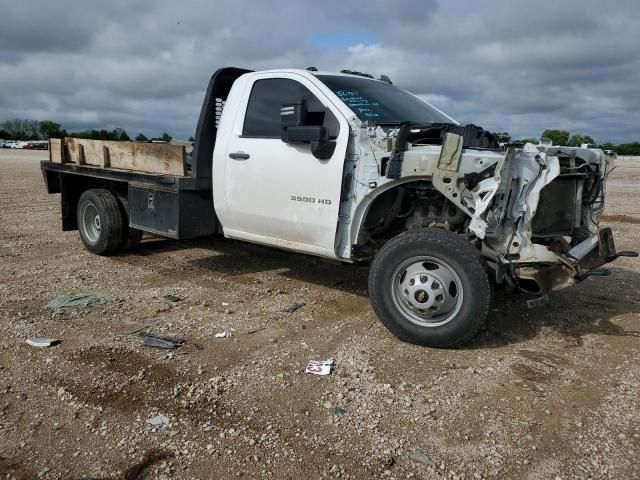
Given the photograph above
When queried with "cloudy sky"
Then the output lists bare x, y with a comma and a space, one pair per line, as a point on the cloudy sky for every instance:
513, 65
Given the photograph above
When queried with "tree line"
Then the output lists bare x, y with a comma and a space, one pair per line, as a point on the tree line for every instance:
563, 137
24, 129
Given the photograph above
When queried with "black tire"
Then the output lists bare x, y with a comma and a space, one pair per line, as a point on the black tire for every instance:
443, 256
107, 234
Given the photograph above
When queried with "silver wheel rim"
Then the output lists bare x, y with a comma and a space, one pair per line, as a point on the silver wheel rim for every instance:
427, 291
90, 223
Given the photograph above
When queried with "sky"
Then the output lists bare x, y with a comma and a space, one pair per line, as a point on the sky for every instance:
507, 65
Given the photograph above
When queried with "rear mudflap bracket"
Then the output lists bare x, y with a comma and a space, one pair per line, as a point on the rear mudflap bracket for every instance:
604, 253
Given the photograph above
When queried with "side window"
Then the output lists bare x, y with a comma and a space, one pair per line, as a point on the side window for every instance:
262, 118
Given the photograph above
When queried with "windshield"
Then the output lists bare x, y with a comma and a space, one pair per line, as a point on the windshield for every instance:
382, 103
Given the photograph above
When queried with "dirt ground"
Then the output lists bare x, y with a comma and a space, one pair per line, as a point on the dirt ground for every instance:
546, 393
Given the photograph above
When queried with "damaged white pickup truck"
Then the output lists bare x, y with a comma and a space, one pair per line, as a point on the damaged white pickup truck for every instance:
355, 169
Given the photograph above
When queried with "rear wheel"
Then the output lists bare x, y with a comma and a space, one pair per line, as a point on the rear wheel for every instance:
430, 287
100, 222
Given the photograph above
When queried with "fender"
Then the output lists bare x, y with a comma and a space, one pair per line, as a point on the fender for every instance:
363, 207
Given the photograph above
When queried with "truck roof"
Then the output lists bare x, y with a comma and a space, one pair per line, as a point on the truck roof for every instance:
305, 72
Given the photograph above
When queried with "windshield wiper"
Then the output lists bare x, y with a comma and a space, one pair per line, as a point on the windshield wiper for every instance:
397, 124
412, 124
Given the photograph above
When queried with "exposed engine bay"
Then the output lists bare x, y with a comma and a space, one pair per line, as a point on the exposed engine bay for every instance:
532, 210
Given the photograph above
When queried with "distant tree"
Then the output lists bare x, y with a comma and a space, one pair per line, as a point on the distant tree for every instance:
577, 139
558, 137
22, 129
49, 129
191, 139
120, 134
607, 146
527, 140
76, 135
12, 128
5, 135
141, 138
628, 149
88, 134
165, 137
103, 134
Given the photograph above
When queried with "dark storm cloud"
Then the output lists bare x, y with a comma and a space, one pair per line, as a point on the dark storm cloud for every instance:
518, 66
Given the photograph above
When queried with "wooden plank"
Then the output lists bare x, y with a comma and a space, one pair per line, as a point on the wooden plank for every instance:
56, 150
106, 162
81, 159
144, 157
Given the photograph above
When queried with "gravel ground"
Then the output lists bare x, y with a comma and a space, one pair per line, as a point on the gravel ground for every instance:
541, 394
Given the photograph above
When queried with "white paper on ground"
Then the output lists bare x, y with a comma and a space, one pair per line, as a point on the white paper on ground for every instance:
319, 367
158, 421
42, 341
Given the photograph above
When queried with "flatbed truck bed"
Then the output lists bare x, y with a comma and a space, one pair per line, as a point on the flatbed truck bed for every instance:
159, 192
165, 205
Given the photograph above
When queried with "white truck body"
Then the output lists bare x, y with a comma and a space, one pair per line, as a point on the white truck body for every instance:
354, 169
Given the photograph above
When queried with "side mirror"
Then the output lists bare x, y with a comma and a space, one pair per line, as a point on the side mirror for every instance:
297, 127
304, 134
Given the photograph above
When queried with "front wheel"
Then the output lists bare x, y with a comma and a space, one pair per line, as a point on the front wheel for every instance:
430, 287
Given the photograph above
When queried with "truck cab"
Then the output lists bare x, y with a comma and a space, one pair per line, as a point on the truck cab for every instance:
280, 193
352, 168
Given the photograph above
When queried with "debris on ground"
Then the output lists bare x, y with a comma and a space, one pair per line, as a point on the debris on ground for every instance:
137, 330
10, 469
170, 355
388, 461
538, 301
319, 367
77, 300
293, 308
338, 410
256, 329
136, 471
224, 334
422, 458
171, 299
198, 346
42, 341
158, 421
160, 341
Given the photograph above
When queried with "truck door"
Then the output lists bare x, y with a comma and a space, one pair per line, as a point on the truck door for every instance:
278, 193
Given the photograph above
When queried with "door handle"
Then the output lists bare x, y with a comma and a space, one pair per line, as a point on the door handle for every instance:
239, 155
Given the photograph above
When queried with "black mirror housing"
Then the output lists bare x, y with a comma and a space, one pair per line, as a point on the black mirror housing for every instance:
297, 127
305, 134
323, 149
294, 114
